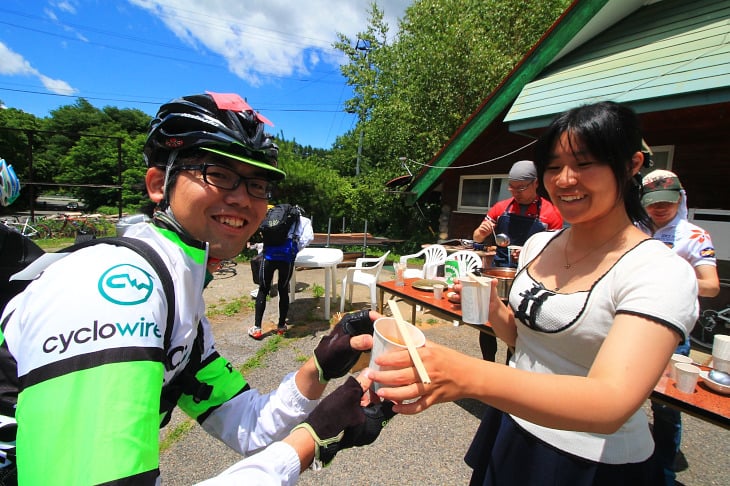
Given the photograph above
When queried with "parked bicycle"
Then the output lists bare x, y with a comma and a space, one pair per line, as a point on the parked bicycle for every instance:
226, 269
27, 228
68, 226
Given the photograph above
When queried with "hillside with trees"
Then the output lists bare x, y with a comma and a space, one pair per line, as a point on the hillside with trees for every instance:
410, 94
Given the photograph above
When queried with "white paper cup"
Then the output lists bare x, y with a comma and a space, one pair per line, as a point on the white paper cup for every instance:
721, 353
687, 375
676, 358
438, 291
475, 301
386, 338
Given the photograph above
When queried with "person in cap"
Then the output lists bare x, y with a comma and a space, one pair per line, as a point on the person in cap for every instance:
594, 314
519, 217
665, 200
99, 363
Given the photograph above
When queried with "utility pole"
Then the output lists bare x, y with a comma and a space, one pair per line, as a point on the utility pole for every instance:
359, 153
363, 46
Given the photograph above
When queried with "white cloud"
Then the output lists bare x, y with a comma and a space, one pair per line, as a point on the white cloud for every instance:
66, 6
13, 64
57, 86
261, 38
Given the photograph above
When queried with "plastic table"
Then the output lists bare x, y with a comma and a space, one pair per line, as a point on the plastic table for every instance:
327, 258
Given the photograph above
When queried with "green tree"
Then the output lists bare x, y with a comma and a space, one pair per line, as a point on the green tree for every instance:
14, 127
413, 93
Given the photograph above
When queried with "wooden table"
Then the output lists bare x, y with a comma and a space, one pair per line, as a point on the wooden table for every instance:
704, 403
423, 298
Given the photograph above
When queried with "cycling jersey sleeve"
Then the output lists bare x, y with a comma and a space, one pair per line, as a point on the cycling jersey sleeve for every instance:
277, 465
243, 418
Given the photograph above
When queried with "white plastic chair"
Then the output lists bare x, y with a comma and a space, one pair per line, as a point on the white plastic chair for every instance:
362, 274
434, 254
468, 261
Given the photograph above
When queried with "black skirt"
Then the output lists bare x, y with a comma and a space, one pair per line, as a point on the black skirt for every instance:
503, 454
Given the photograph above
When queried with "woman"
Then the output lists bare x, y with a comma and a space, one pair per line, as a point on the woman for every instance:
594, 313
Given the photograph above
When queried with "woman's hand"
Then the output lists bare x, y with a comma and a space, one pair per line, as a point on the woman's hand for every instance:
447, 369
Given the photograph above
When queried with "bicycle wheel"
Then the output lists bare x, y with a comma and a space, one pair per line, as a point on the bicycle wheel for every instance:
88, 229
44, 231
69, 230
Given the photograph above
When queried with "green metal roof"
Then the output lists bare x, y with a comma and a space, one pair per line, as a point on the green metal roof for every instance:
671, 54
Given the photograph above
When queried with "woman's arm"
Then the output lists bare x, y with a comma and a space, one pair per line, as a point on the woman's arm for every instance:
621, 378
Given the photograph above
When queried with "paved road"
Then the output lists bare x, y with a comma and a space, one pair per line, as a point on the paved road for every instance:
426, 449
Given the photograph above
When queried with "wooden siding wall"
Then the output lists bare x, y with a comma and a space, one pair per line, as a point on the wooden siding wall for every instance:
701, 139
497, 140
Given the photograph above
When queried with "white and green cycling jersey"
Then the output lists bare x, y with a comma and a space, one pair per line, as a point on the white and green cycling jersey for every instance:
88, 339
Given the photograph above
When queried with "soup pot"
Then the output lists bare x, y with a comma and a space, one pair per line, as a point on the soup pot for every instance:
504, 276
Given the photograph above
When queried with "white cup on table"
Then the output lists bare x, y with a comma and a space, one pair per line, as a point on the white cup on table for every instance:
687, 375
721, 353
438, 291
676, 358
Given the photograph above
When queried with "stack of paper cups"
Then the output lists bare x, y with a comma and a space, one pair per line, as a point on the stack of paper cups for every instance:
721, 353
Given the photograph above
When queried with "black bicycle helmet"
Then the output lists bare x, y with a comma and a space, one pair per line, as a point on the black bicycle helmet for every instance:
223, 124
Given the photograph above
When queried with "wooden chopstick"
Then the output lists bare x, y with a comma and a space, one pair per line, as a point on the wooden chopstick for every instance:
408, 339
477, 279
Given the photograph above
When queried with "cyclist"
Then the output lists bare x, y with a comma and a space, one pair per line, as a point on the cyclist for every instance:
665, 200
97, 382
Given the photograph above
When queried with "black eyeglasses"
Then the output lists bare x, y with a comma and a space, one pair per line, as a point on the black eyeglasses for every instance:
226, 178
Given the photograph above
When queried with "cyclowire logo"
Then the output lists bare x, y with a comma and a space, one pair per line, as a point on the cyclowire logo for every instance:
126, 284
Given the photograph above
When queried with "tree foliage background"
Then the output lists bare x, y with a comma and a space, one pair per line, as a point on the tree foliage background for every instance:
414, 85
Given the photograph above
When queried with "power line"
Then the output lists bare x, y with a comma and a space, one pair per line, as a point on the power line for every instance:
157, 103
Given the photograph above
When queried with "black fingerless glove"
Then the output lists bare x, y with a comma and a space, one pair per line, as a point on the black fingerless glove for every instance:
339, 422
333, 355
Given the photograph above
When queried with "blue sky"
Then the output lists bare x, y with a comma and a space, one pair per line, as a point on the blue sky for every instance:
141, 53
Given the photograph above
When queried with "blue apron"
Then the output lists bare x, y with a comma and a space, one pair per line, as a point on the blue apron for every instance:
518, 228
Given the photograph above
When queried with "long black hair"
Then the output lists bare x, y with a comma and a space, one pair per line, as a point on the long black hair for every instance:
610, 132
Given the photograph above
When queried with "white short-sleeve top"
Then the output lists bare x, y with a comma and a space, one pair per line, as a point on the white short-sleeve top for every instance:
561, 333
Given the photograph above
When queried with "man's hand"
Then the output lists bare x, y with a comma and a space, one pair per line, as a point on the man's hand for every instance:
483, 230
337, 352
340, 422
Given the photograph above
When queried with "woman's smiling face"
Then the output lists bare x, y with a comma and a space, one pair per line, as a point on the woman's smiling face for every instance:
583, 188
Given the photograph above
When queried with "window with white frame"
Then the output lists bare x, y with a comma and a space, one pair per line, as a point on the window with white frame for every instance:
477, 193
662, 156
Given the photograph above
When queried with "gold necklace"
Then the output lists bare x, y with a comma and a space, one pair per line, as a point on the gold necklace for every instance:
568, 265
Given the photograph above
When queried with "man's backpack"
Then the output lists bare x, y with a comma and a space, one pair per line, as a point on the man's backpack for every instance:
277, 224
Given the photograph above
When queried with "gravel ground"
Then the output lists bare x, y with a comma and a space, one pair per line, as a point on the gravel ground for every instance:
426, 449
